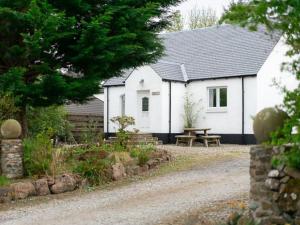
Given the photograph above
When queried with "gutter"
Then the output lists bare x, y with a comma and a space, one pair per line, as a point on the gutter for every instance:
243, 110
114, 85
107, 110
217, 78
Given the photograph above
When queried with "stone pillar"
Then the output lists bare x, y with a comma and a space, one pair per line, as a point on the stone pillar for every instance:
12, 158
274, 192
260, 165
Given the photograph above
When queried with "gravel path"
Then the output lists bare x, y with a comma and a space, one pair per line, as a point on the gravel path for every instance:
146, 202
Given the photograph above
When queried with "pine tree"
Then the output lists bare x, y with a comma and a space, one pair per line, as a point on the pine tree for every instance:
52, 51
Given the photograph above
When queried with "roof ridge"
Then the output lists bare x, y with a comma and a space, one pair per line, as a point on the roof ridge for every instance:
184, 73
197, 29
168, 62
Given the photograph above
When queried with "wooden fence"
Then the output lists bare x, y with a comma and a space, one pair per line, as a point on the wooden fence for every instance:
82, 124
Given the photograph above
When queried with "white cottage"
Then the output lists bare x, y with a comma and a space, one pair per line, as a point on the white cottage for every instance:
229, 70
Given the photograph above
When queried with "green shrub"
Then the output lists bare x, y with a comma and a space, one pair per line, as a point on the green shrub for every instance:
290, 158
147, 147
293, 158
49, 119
4, 181
134, 153
123, 135
123, 122
142, 153
290, 132
91, 135
90, 162
37, 155
95, 170
143, 158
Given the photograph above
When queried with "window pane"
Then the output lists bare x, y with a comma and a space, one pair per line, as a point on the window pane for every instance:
223, 97
212, 97
145, 104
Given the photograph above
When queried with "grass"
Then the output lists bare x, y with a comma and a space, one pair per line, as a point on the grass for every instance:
4, 181
191, 161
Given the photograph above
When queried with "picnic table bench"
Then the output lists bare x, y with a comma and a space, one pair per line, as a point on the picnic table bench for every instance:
211, 139
185, 139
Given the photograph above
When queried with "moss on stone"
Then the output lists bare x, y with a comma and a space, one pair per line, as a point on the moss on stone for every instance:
267, 121
11, 129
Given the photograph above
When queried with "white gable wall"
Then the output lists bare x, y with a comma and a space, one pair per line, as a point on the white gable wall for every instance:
152, 83
269, 95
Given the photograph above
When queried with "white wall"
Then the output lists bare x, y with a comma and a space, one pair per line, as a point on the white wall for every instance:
114, 106
250, 92
164, 108
269, 95
177, 103
153, 84
227, 121
178, 93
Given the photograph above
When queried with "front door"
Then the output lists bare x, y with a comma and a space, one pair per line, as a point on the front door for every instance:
143, 110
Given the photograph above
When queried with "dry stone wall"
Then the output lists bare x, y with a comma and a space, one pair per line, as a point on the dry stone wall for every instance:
275, 192
12, 158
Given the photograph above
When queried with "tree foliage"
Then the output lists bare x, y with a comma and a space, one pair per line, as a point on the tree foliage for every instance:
51, 120
202, 17
8, 110
176, 22
197, 18
283, 16
52, 50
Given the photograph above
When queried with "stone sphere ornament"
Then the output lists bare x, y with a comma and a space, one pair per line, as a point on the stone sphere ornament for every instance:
267, 121
11, 129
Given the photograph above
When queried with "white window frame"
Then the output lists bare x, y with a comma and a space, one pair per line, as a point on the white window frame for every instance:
218, 108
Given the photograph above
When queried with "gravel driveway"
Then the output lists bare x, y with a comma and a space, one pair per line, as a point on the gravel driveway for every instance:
146, 202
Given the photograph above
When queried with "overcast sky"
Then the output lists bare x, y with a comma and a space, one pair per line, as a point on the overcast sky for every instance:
217, 5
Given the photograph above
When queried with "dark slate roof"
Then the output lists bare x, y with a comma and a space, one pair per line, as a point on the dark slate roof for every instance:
92, 107
213, 52
168, 70
117, 81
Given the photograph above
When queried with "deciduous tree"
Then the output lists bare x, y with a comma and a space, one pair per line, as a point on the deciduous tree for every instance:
202, 17
176, 22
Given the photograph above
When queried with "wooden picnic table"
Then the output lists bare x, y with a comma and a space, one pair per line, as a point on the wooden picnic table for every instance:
190, 135
192, 131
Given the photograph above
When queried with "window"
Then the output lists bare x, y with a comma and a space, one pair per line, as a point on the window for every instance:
123, 105
145, 104
217, 97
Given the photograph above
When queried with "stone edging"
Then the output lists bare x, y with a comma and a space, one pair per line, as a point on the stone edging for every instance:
70, 182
